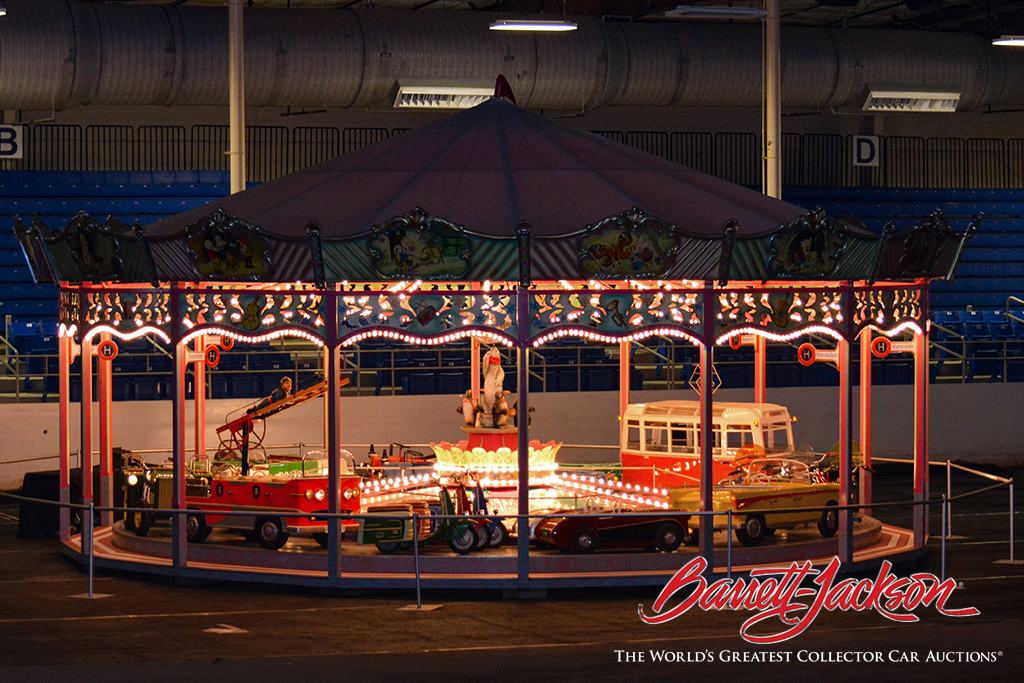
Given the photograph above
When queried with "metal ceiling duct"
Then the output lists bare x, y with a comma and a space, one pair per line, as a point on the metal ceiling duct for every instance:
58, 54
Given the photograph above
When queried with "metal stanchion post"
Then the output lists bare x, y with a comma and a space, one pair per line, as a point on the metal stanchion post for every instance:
949, 494
945, 504
90, 530
416, 556
1011, 521
728, 541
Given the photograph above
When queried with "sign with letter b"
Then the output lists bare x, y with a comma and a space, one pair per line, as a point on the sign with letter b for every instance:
11, 142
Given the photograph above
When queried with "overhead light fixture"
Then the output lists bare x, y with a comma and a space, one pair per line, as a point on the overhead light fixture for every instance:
422, 95
1013, 41
532, 25
910, 101
711, 12
3, 11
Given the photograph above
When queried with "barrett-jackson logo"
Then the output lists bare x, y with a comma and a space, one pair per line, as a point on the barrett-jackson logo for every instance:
776, 593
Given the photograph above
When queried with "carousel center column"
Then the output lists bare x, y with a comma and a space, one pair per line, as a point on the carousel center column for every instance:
522, 346
179, 539
707, 522
329, 311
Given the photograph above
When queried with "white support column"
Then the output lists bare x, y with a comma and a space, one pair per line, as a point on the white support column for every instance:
772, 101
236, 94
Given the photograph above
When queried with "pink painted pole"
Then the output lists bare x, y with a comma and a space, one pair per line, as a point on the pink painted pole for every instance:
845, 452
199, 402
106, 455
920, 438
85, 448
865, 419
760, 369
474, 367
64, 361
624, 371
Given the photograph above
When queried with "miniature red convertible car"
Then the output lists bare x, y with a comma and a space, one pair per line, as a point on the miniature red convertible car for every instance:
585, 532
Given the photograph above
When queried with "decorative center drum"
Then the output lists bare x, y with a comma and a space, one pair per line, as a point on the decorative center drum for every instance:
493, 451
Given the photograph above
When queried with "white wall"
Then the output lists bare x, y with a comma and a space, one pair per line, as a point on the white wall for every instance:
979, 423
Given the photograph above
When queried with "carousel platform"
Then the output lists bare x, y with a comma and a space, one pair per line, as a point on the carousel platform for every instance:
228, 557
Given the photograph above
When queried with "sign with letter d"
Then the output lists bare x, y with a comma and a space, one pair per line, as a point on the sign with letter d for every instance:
865, 150
11, 142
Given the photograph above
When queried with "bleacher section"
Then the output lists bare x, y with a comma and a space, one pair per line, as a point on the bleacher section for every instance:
56, 196
992, 267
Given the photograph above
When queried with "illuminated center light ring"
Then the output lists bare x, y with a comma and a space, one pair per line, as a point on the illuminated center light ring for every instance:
460, 458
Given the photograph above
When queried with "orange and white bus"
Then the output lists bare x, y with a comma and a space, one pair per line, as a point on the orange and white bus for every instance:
660, 441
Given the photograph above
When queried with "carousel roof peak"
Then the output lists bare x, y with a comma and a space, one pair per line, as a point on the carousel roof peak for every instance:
486, 169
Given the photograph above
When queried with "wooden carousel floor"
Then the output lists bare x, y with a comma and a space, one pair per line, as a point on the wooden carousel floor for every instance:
226, 556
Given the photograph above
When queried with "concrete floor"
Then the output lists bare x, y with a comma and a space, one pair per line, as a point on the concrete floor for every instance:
153, 630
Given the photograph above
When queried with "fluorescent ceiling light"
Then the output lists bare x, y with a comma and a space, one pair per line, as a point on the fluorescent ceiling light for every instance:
910, 101
532, 25
415, 95
3, 11
711, 12
1015, 41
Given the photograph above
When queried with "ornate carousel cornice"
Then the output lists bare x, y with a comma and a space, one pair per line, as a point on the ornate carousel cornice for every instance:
419, 246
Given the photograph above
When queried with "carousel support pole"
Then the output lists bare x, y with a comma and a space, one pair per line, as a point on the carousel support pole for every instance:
523, 441
845, 553
760, 369
920, 438
865, 420
179, 539
106, 455
707, 521
85, 452
332, 445
64, 345
625, 368
236, 94
474, 368
199, 397
327, 398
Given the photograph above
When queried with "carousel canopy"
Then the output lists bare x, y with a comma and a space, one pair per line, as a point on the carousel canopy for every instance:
486, 169
447, 202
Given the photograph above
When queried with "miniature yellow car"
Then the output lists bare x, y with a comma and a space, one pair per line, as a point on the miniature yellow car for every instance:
753, 497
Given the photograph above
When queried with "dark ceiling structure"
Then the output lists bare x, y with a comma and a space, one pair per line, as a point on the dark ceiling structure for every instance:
987, 18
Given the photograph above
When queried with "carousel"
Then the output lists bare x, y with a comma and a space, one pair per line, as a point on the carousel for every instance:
500, 226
